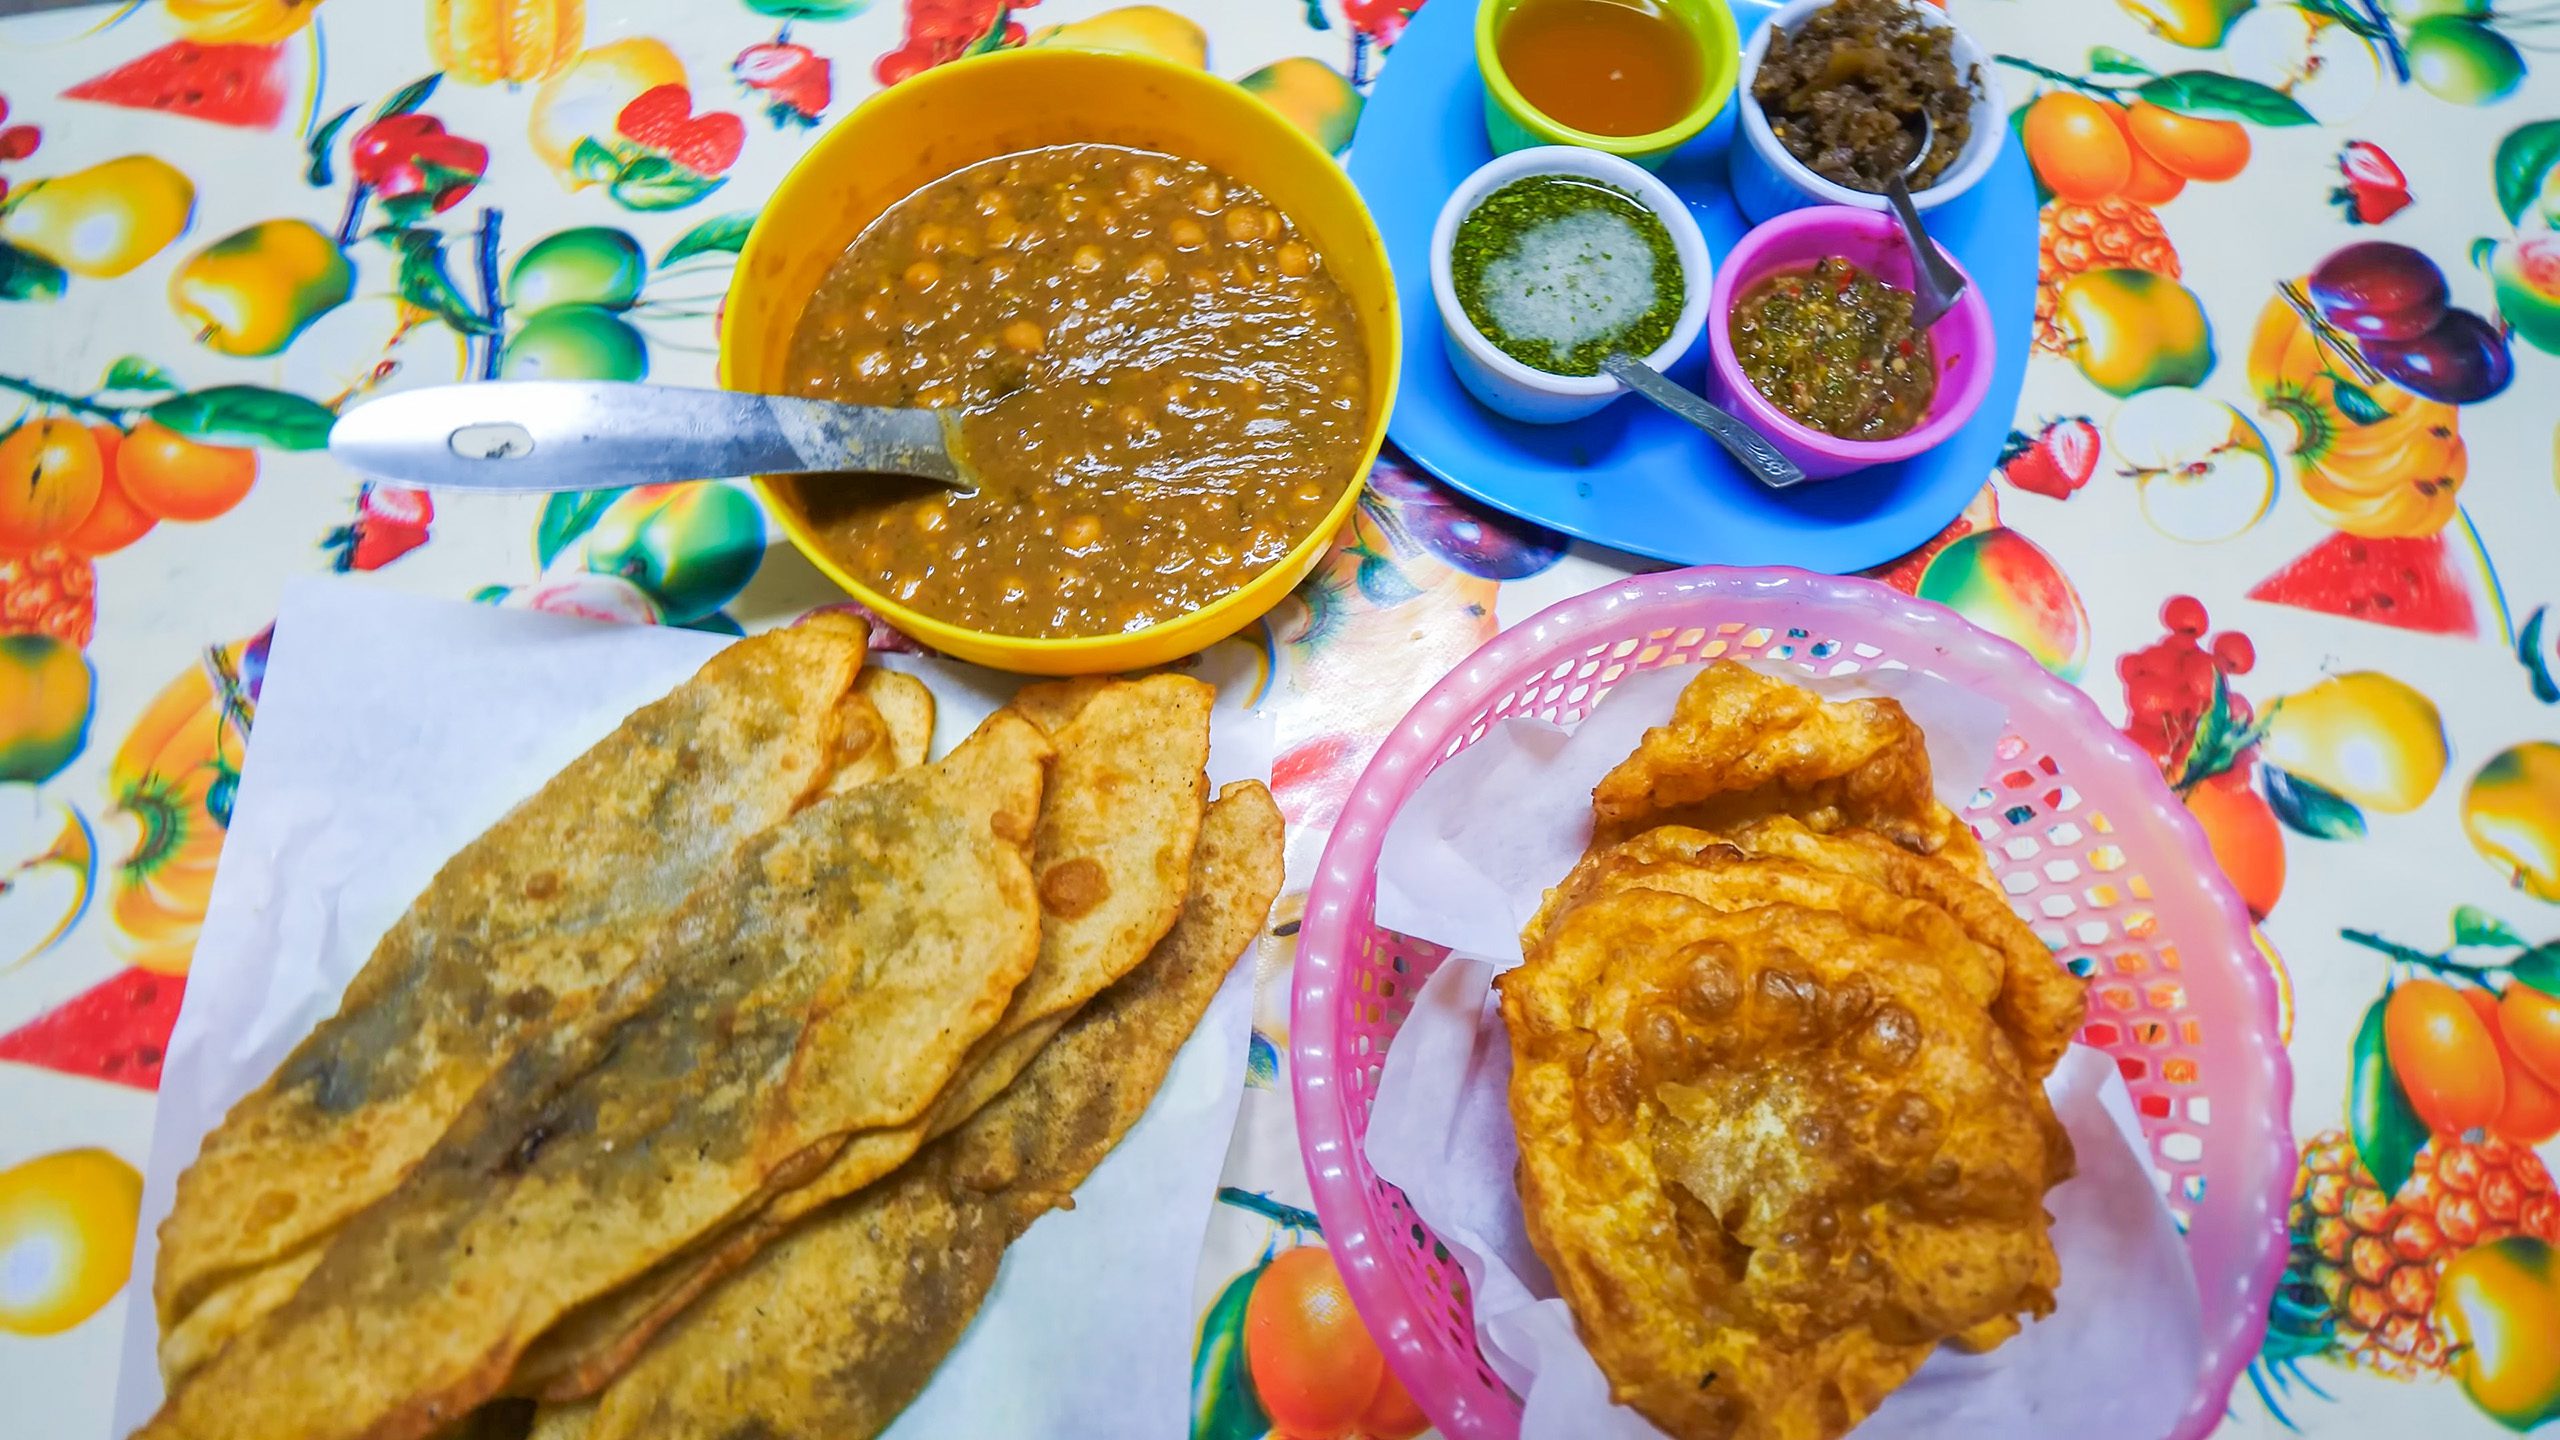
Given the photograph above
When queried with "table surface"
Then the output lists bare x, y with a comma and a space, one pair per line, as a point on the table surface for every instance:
2366, 826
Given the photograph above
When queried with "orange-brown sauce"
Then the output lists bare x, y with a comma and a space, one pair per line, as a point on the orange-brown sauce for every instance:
1164, 390
1604, 67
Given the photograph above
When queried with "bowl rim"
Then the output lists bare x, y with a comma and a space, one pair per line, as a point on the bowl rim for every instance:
1697, 263
1947, 413
1720, 47
1066, 654
1990, 117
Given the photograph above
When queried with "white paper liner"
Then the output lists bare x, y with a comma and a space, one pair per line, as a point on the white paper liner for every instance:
1464, 865
392, 729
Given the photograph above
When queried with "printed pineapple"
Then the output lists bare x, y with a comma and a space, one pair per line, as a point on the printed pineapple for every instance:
2362, 1277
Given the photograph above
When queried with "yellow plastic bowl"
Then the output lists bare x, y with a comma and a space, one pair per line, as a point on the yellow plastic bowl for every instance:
947, 118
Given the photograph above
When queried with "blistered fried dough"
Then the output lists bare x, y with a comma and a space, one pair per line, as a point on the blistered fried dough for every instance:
545, 907
887, 727
230, 1309
833, 1331
907, 707
1937, 906
1772, 1157
825, 979
1053, 704
1112, 857
863, 752
2041, 1005
499, 1420
1741, 745
1718, 872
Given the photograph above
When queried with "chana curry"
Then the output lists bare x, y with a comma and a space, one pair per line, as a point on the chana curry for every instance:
1163, 390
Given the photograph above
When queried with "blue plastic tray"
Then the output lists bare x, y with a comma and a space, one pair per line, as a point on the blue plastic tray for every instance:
1632, 477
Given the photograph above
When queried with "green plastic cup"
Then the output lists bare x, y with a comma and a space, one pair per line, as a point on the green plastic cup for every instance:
1514, 124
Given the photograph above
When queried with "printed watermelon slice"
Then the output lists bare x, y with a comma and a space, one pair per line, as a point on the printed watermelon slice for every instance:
117, 1030
2409, 584
242, 85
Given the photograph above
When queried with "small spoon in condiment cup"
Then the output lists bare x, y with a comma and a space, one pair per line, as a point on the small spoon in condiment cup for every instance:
1747, 446
1935, 283
547, 435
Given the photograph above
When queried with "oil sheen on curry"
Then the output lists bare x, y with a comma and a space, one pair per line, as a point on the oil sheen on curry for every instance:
1163, 390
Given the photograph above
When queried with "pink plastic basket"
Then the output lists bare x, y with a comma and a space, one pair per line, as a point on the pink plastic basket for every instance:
2092, 848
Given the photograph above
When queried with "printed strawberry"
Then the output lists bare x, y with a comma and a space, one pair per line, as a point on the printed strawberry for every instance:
397, 505
414, 166
2055, 462
2365, 163
1381, 20
796, 82
656, 117
2376, 187
662, 119
662, 156
390, 522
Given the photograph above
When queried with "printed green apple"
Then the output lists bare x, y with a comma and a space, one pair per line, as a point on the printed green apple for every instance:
575, 342
591, 265
692, 547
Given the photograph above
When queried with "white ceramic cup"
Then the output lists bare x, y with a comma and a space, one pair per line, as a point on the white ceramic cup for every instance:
1520, 391
1770, 181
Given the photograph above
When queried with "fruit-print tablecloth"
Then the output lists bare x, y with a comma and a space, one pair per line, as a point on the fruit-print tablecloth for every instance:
2281, 496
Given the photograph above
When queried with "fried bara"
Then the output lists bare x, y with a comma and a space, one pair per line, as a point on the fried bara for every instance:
833, 1331
1772, 1153
1741, 745
538, 913
1112, 859
1927, 901
825, 979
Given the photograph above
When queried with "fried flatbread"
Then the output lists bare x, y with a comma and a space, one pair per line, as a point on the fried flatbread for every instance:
888, 727
1772, 1155
1741, 745
872, 743
547, 906
1113, 855
833, 1331
907, 707
827, 978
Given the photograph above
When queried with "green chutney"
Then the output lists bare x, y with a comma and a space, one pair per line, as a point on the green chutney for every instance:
1560, 272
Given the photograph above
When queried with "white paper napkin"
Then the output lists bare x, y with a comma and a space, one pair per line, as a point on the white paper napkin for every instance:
2121, 1352
392, 729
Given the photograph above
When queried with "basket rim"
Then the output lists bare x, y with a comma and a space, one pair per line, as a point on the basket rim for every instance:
1413, 744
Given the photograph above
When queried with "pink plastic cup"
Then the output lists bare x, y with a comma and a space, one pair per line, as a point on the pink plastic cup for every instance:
1872, 241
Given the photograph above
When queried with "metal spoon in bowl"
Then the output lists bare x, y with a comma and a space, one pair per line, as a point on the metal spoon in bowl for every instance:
547, 435
1935, 283
1747, 446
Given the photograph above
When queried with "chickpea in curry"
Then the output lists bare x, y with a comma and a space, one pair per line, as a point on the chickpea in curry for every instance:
1162, 390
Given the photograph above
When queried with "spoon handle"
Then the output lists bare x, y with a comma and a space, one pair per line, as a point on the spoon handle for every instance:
1746, 445
1937, 282
548, 435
